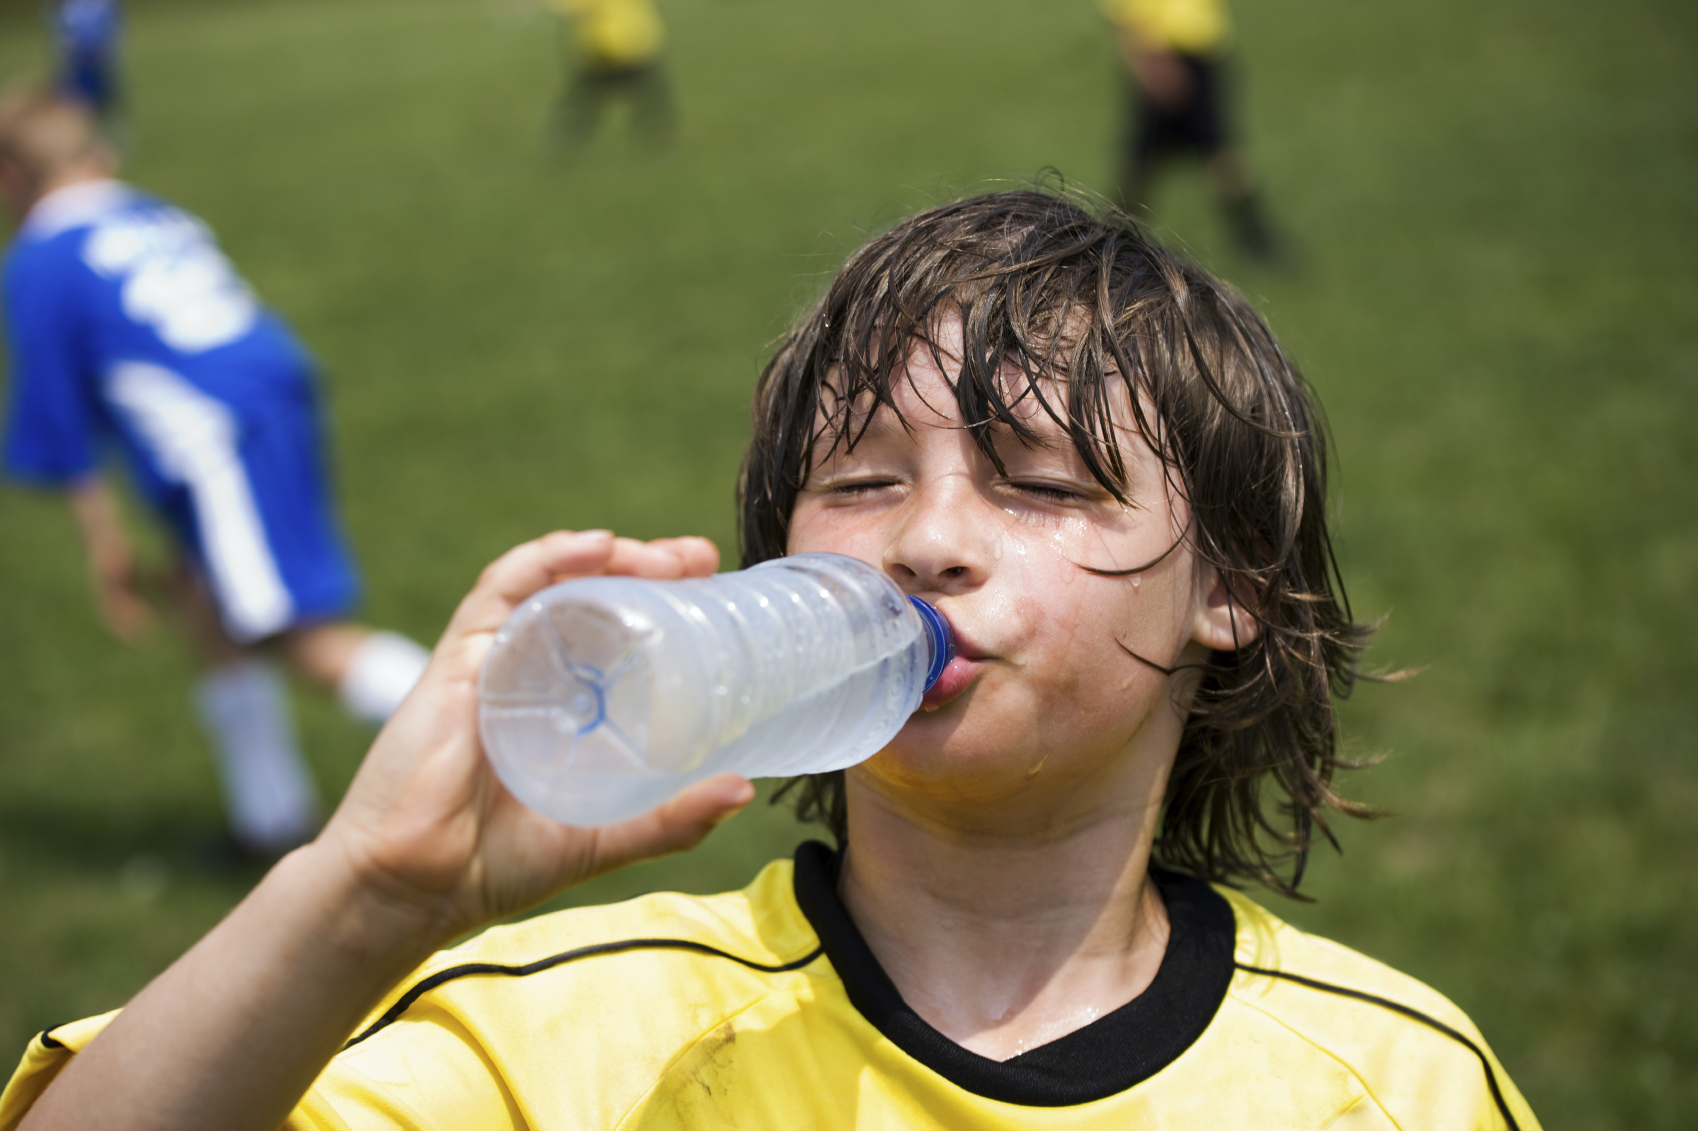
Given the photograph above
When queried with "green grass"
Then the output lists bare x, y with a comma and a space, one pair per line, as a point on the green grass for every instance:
1494, 209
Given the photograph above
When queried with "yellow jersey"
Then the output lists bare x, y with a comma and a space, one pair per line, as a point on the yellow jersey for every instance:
1191, 27
615, 33
765, 1009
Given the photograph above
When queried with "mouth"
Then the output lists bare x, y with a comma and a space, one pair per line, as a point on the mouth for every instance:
957, 675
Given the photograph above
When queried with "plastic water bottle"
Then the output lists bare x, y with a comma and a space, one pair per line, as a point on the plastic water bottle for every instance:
604, 696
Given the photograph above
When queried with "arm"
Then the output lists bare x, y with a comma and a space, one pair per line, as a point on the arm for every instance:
426, 846
50, 434
111, 562
51, 417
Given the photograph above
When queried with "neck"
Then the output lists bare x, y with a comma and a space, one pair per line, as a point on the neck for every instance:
81, 172
1002, 925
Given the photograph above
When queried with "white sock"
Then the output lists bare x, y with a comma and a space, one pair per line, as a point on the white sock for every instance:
268, 789
381, 672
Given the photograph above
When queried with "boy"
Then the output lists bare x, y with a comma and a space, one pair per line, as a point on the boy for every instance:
1174, 52
618, 46
128, 328
1094, 460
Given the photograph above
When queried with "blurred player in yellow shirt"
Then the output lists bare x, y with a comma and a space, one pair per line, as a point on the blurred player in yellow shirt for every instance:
617, 48
1176, 54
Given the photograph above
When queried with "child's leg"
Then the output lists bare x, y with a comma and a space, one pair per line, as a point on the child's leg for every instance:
371, 671
268, 790
583, 102
653, 116
1209, 130
1140, 143
243, 703
1242, 207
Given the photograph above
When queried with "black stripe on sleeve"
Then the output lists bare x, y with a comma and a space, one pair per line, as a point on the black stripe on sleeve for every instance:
1413, 1014
425, 985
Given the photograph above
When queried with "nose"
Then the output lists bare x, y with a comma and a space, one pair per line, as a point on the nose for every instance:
940, 543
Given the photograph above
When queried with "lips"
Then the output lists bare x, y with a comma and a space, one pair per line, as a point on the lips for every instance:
959, 672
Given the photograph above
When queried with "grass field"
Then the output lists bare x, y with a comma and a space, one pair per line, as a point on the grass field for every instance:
1496, 210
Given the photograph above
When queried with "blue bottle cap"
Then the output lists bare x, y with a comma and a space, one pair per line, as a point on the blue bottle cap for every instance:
943, 641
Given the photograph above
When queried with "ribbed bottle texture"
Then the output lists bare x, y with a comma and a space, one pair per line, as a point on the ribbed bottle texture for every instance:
604, 696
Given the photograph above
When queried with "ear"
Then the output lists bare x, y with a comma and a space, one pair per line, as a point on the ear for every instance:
1223, 621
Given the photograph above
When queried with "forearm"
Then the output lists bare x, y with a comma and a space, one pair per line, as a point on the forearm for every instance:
425, 846
98, 521
236, 1030
111, 561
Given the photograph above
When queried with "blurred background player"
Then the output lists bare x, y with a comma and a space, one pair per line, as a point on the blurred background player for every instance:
86, 34
1175, 52
615, 59
129, 329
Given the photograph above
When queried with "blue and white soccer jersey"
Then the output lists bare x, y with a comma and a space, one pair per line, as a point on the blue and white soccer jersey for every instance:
128, 327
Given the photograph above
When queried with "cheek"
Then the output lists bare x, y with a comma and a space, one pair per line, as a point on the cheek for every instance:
817, 529
807, 533
1099, 699
1085, 647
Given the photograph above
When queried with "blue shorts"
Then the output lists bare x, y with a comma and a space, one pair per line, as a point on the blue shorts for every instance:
245, 495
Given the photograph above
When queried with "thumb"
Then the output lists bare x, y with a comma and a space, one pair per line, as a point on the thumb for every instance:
678, 824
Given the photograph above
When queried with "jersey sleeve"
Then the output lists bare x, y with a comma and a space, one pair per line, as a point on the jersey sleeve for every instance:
48, 1054
43, 1060
51, 418
1412, 1051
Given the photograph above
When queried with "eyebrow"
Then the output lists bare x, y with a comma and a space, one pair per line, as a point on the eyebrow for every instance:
886, 424
831, 437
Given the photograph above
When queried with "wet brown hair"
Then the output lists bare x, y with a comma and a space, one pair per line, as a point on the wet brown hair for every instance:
1081, 300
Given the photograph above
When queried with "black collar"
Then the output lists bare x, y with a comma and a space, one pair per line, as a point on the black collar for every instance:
1107, 1056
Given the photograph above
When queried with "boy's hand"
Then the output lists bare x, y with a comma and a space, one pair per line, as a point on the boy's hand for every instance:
428, 826
118, 600
112, 570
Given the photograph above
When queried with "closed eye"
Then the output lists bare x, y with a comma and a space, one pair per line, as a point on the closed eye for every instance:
1048, 492
848, 488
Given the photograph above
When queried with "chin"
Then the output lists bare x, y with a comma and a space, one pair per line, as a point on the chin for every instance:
946, 772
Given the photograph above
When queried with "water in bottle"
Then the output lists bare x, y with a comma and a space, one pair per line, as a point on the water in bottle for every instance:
604, 696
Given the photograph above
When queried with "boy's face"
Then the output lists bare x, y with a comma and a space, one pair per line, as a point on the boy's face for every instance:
1043, 699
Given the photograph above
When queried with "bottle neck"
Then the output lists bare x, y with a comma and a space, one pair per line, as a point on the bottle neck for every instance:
941, 638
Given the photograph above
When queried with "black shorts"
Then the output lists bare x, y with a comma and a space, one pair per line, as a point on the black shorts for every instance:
1197, 125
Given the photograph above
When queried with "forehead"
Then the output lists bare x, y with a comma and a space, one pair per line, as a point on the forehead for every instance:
927, 389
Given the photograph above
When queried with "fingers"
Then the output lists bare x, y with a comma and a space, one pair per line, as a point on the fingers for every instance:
663, 558
525, 569
678, 824
698, 556
130, 620
564, 554
122, 612
530, 566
